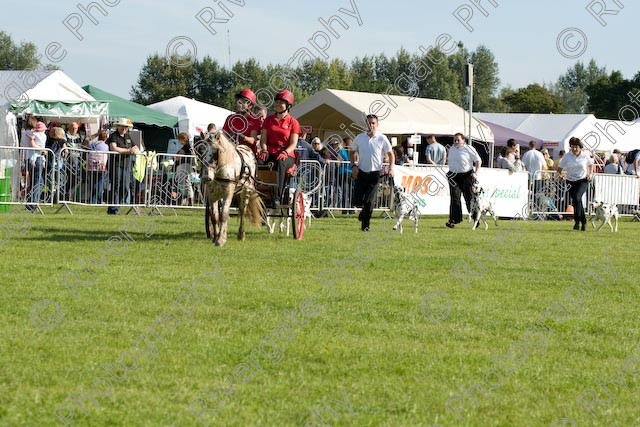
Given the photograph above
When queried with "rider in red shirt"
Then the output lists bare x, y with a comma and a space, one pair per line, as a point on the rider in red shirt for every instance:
280, 136
243, 126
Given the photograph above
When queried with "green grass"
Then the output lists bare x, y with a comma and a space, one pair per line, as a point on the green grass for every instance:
389, 328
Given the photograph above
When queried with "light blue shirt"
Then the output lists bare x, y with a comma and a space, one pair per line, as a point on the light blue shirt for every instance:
436, 151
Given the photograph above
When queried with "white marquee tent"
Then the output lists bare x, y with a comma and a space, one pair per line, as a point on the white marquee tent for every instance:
193, 116
332, 111
49, 94
556, 129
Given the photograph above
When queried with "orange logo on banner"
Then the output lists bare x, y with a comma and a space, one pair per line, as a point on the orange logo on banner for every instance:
423, 185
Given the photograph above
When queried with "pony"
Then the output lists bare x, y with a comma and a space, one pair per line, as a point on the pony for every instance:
234, 173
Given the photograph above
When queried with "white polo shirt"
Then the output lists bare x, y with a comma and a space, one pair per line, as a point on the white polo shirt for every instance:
371, 151
577, 167
462, 159
533, 162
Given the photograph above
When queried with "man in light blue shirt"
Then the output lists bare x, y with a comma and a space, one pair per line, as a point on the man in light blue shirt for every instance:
435, 152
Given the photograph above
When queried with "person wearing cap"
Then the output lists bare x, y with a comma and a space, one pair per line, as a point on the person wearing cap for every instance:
279, 137
578, 168
367, 156
243, 126
121, 172
464, 165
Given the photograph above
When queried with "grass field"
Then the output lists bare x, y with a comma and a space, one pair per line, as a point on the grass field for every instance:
140, 321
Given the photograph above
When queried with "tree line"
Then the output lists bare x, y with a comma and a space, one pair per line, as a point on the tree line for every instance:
584, 88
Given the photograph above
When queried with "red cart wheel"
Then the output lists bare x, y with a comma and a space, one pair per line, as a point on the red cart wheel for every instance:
297, 215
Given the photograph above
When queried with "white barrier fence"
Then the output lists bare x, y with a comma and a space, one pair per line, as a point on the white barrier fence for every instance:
27, 177
100, 178
173, 182
34, 177
549, 194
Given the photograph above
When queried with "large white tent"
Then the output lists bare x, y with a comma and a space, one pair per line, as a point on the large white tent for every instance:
556, 129
193, 116
606, 135
49, 94
333, 111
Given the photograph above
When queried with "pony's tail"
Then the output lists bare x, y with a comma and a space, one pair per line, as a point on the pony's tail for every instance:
255, 209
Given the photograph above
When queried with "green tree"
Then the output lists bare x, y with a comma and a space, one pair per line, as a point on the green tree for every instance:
610, 93
442, 81
363, 74
213, 83
533, 99
339, 75
19, 57
160, 80
572, 86
312, 76
486, 79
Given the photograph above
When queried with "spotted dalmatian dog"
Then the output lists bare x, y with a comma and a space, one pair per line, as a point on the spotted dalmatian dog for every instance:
405, 205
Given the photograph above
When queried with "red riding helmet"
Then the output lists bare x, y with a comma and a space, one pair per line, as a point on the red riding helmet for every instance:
285, 96
247, 93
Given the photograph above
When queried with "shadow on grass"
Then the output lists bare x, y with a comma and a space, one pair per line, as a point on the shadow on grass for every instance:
39, 233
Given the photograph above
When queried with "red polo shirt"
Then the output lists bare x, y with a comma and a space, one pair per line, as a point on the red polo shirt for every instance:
279, 132
238, 123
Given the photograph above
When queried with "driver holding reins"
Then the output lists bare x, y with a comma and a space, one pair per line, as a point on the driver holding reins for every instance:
280, 136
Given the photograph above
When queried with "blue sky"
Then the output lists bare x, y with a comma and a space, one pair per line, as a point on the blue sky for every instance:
523, 35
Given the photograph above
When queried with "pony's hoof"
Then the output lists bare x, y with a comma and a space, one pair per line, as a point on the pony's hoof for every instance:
220, 244
241, 237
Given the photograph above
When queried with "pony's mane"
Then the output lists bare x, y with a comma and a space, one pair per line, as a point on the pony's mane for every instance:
224, 148
225, 151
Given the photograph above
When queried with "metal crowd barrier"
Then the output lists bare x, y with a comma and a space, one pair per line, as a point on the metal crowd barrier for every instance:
173, 181
26, 177
310, 178
338, 189
34, 178
622, 190
549, 195
100, 178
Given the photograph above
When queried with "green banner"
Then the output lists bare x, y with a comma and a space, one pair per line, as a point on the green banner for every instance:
62, 109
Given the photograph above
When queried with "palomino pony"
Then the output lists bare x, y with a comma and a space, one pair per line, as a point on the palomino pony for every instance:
235, 172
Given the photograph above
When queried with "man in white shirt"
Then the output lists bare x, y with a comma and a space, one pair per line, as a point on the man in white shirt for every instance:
533, 161
464, 165
367, 153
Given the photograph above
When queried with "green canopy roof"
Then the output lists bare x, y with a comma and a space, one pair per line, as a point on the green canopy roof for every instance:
137, 113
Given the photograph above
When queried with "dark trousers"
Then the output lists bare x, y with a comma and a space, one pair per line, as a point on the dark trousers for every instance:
576, 191
282, 167
459, 184
120, 178
366, 187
